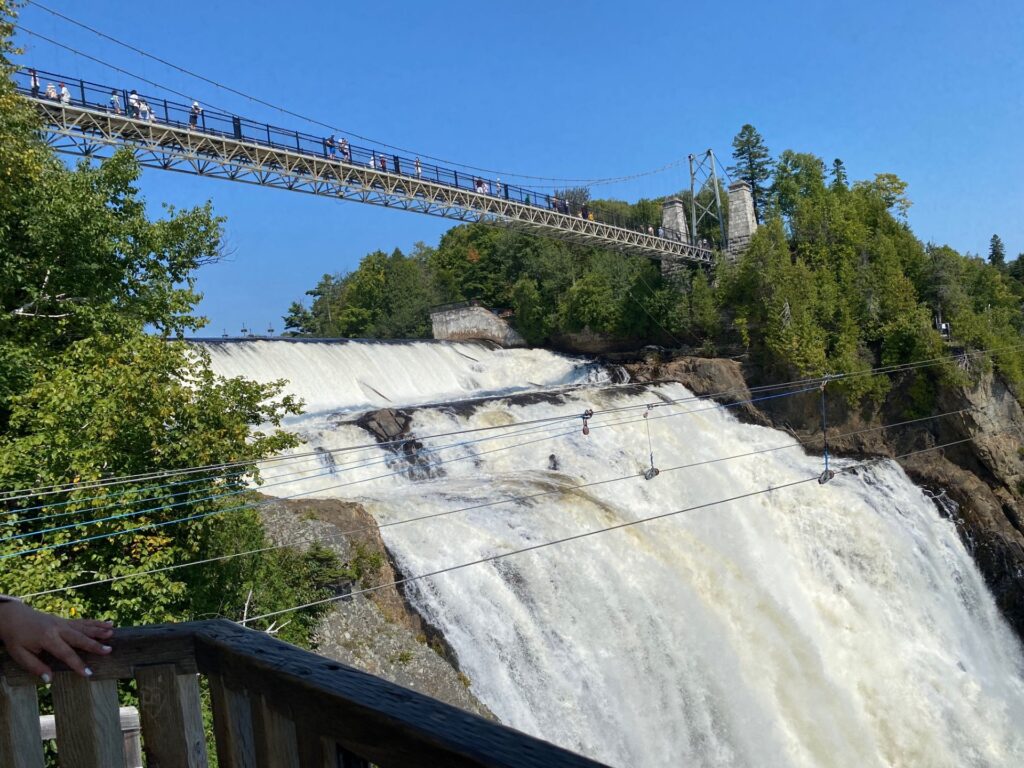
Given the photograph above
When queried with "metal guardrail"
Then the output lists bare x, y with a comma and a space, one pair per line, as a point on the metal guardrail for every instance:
158, 110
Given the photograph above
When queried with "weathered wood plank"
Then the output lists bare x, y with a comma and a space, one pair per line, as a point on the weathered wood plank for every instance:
313, 749
130, 730
88, 721
157, 644
274, 735
316, 751
20, 745
232, 725
172, 719
370, 717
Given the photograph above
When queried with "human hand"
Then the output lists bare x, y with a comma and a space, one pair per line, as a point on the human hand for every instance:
27, 632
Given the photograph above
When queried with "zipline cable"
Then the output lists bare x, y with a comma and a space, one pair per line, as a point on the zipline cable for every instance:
214, 497
574, 537
58, 488
512, 499
158, 474
331, 469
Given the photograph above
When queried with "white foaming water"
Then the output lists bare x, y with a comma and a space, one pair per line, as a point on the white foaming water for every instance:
348, 375
835, 625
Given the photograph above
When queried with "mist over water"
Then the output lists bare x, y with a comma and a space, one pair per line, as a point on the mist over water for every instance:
835, 625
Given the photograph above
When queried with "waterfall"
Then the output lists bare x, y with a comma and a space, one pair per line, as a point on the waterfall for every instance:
814, 625
333, 376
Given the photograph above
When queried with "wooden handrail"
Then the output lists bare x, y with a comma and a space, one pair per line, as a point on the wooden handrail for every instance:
273, 705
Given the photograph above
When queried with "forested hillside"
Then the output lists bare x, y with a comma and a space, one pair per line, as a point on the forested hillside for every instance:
834, 280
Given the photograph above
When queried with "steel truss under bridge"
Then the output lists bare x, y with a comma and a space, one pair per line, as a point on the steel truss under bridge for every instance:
95, 133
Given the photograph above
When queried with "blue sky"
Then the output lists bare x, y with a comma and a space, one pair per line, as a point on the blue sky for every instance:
930, 91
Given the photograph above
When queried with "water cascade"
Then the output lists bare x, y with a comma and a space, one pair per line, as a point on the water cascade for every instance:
811, 625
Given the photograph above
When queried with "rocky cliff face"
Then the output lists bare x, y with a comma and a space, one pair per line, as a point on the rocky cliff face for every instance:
978, 481
375, 631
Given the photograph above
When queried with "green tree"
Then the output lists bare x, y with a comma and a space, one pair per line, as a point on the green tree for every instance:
575, 196
996, 252
299, 321
86, 393
753, 165
1015, 268
838, 174
892, 191
531, 319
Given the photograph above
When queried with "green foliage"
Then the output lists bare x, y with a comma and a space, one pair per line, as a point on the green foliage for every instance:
838, 174
834, 281
996, 252
86, 394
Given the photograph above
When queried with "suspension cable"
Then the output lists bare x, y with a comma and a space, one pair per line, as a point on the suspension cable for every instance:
314, 121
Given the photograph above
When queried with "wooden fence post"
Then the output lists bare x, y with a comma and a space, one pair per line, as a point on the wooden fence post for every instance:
20, 745
172, 719
88, 721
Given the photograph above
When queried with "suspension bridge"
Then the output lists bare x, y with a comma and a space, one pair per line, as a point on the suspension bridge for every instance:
93, 120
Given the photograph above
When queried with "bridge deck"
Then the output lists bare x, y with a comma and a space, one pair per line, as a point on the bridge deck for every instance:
227, 147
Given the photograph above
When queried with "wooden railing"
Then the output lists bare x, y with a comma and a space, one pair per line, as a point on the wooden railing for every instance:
274, 706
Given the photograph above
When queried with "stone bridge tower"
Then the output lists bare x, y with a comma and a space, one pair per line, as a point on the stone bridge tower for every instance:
673, 222
742, 221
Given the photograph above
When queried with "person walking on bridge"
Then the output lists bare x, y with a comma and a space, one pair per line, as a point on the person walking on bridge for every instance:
193, 116
330, 146
114, 105
419, 169
33, 82
65, 94
346, 151
133, 104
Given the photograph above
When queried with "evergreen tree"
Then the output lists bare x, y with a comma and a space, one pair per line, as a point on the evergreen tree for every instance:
753, 165
996, 252
838, 174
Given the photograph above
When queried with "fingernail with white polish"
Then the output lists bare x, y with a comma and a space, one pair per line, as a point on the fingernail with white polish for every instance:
88, 672
105, 648
46, 677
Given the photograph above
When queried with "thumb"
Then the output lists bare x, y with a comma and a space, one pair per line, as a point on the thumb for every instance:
31, 663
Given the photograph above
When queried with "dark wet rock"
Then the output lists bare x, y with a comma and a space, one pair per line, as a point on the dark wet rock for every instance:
390, 428
721, 380
386, 425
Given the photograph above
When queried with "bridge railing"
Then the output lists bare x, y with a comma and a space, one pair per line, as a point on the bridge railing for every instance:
161, 109
272, 704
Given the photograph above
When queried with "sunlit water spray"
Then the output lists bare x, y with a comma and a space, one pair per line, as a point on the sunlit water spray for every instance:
835, 625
